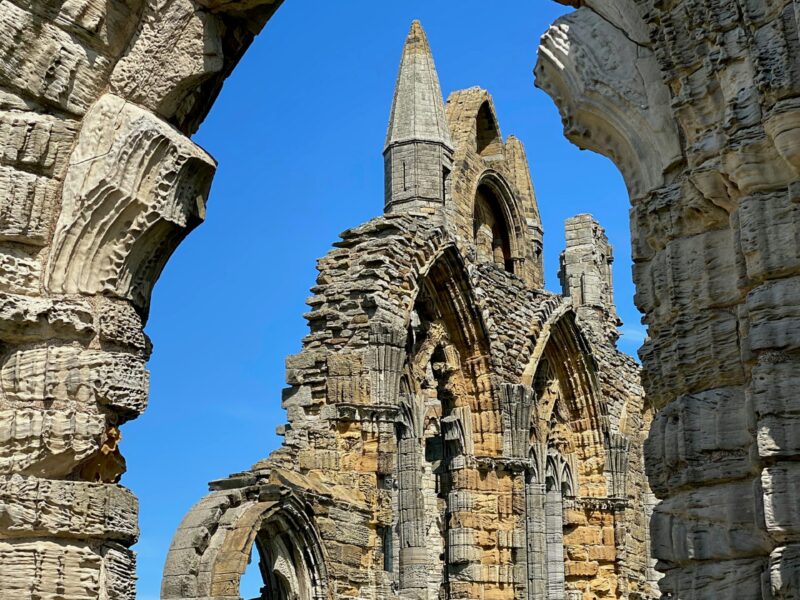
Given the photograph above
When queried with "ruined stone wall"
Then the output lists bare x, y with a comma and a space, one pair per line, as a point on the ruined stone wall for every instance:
697, 104
98, 184
341, 451
696, 101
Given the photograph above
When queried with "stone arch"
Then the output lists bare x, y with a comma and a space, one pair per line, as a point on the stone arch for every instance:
215, 542
488, 140
561, 344
494, 201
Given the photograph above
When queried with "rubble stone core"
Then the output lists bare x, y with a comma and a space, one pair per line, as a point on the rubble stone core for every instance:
454, 431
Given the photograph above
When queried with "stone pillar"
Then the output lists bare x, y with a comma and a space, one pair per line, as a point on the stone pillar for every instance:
554, 536
413, 568
536, 547
535, 520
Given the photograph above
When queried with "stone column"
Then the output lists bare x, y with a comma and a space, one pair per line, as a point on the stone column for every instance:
706, 137
411, 516
536, 526
554, 536
537, 543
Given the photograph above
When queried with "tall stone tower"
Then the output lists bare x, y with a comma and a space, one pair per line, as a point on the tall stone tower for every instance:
418, 155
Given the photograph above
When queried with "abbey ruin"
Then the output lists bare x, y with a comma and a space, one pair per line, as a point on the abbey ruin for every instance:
453, 431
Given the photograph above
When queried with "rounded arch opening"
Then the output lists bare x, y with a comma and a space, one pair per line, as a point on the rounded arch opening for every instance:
282, 537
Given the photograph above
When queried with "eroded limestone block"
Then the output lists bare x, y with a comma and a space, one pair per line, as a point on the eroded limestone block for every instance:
50, 570
692, 354
783, 126
104, 27
48, 443
55, 68
773, 394
774, 315
700, 438
20, 271
784, 570
697, 272
720, 580
712, 523
23, 318
781, 488
135, 187
119, 323
177, 47
769, 225
26, 201
119, 572
35, 142
47, 508
68, 376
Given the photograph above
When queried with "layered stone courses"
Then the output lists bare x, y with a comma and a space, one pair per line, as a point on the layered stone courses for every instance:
697, 104
706, 135
99, 182
453, 429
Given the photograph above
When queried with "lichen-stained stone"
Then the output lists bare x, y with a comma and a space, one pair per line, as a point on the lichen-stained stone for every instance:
119, 221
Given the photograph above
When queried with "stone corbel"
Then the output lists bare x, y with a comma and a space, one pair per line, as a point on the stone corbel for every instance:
133, 190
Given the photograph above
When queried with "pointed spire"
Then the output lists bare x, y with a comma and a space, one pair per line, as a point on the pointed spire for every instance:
418, 108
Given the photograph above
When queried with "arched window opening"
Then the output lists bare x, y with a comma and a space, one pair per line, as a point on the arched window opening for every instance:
444, 346
487, 133
491, 230
283, 567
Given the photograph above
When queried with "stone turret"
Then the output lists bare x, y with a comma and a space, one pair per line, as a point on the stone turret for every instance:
418, 155
585, 272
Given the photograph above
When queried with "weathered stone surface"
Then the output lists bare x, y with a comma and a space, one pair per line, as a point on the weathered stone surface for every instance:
44, 507
695, 101
715, 251
63, 377
445, 413
140, 216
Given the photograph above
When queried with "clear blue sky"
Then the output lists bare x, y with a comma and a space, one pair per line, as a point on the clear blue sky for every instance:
298, 132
